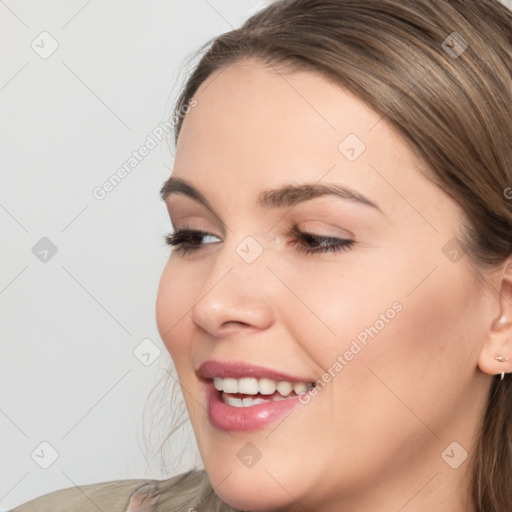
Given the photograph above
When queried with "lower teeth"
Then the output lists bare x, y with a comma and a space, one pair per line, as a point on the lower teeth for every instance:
250, 401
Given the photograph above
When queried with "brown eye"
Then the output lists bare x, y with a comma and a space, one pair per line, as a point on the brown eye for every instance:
310, 243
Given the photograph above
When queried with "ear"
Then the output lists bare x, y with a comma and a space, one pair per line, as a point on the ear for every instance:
498, 340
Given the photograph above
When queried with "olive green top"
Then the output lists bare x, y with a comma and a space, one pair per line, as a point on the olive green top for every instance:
116, 496
186, 492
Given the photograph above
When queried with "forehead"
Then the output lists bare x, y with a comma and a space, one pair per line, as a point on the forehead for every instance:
250, 115
254, 103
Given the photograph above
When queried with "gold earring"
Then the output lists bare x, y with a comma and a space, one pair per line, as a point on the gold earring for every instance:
501, 358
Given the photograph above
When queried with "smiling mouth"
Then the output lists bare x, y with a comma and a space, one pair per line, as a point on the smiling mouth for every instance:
250, 391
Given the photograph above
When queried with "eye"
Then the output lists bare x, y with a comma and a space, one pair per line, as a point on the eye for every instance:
187, 240
314, 244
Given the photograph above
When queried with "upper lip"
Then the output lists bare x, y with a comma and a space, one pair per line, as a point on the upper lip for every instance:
238, 370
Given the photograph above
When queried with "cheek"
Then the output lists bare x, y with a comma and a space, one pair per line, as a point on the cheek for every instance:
393, 331
334, 304
173, 303
421, 360
398, 304
440, 328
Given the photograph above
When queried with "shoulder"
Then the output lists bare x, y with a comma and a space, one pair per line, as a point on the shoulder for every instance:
190, 490
114, 496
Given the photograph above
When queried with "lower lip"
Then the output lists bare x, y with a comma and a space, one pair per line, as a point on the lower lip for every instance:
255, 417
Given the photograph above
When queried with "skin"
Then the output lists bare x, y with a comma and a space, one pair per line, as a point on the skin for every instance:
372, 439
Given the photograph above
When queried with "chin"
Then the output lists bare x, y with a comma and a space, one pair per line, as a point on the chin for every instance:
243, 492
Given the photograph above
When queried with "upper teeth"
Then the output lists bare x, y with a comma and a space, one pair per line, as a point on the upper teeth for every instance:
253, 386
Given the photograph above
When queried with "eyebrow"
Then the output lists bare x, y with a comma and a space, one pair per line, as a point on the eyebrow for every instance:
285, 196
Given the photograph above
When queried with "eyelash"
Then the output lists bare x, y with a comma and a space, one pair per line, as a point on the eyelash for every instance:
181, 241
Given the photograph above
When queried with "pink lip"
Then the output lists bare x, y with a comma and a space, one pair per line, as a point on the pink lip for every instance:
228, 418
237, 370
245, 419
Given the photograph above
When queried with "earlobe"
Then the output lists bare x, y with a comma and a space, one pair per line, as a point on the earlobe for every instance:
496, 355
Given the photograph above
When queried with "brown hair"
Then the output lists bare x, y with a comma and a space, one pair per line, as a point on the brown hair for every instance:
452, 104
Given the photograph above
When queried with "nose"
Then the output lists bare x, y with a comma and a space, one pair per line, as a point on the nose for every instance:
236, 294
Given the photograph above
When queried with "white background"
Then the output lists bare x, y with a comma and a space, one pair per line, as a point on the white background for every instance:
69, 376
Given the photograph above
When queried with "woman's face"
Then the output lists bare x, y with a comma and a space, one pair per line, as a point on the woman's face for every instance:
389, 325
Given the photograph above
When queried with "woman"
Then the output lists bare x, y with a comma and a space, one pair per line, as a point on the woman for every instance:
338, 299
